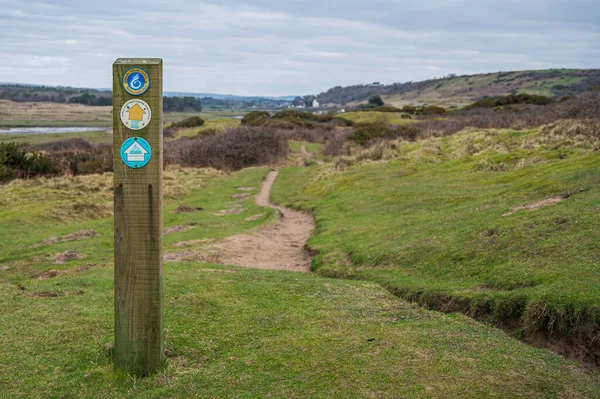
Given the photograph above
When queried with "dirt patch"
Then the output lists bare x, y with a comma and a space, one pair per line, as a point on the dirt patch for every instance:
56, 273
300, 162
63, 257
255, 217
187, 209
77, 236
279, 245
190, 256
54, 294
534, 206
240, 197
45, 294
175, 229
4, 268
234, 209
80, 235
190, 242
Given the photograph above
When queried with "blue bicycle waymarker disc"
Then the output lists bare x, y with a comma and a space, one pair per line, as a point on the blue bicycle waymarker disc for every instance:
136, 152
136, 81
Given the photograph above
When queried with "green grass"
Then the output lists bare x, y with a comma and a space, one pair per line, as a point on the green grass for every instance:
31, 211
91, 137
218, 124
233, 332
393, 118
428, 225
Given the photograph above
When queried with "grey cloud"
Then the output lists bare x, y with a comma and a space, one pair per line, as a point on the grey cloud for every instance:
290, 47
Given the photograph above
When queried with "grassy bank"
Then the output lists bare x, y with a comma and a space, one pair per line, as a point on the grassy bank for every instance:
438, 222
231, 332
33, 211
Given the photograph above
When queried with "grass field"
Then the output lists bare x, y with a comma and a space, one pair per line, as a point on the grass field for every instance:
92, 137
431, 224
232, 332
393, 118
13, 114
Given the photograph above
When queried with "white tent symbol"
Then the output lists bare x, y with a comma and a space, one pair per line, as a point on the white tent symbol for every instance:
135, 153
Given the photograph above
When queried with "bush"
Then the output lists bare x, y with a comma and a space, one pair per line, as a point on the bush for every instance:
409, 109
77, 156
387, 108
366, 133
256, 118
511, 99
17, 162
234, 149
192, 121
376, 101
431, 110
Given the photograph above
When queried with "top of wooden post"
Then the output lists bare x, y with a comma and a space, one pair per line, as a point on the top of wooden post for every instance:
138, 61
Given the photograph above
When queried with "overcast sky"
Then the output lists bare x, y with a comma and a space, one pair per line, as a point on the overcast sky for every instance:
288, 47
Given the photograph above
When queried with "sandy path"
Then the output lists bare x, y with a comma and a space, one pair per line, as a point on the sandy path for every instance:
279, 245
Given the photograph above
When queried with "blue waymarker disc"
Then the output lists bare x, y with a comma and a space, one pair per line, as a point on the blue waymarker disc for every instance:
136, 152
136, 81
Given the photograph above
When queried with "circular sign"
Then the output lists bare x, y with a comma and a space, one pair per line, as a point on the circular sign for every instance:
136, 81
136, 152
136, 114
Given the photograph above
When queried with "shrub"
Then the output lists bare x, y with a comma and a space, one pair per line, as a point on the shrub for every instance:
409, 109
192, 121
16, 161
431, 110
387, 108
511, 99
77, 156
368, 132
376, 101
232, 150
256, 118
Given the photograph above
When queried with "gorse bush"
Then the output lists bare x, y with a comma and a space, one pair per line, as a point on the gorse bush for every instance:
366, 133
256, 118
192, 121
77, 156
16, 161
511, 99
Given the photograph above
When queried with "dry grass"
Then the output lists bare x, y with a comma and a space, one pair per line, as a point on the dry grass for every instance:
77, 198
46, 111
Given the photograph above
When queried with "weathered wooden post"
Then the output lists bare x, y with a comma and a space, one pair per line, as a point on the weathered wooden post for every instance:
138, 165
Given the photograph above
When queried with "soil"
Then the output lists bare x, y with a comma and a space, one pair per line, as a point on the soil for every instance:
56, 273
187, 209
175, 229
534, 206
77, 236
277, 246
254, 217
80, 235
67, 256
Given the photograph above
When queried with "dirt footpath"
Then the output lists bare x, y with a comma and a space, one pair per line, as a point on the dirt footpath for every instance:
277, 246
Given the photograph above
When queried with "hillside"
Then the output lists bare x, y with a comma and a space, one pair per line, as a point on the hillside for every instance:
462, 90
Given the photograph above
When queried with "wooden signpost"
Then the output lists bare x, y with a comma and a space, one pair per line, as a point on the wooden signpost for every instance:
138, 165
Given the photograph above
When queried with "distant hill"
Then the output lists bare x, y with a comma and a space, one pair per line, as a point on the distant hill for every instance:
61, 94
462, 90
